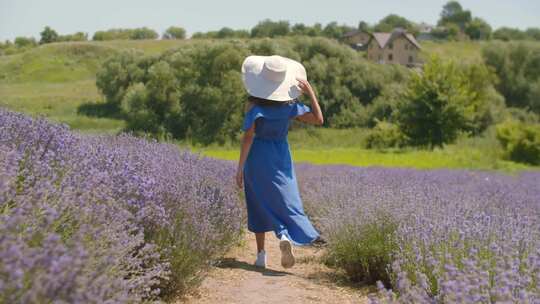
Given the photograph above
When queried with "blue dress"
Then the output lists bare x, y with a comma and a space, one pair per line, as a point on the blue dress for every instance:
272, 198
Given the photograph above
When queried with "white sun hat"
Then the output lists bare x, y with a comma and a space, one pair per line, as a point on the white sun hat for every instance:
272, 77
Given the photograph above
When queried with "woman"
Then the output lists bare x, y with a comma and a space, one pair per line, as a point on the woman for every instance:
265, 168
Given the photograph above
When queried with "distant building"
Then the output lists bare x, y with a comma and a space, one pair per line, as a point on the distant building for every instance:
398, 47
356, 39
425, 27
425, 32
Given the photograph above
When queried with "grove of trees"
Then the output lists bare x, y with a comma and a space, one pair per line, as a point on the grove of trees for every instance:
455, 23
517, 66
125, 34
196, 92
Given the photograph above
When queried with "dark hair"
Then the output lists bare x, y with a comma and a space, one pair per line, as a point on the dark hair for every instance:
267, 102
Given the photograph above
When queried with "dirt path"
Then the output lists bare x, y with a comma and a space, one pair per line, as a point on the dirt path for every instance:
236, 280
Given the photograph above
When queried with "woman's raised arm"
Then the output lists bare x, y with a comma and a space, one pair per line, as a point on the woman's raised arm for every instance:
315, 116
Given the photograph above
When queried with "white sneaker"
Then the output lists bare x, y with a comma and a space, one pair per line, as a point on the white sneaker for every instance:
287, 256
261, 259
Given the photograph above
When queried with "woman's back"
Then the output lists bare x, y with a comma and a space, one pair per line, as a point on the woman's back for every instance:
272, 122
271, 191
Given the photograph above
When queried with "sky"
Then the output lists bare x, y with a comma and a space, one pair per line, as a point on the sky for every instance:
29, 17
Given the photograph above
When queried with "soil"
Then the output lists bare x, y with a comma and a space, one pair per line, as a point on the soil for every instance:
236, 280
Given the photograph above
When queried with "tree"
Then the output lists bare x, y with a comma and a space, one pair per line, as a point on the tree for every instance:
392, 21
174, 32
299, 29
507, 34
450, 9
269, 28
48, 35
454, 31
364, 26
315, 30
518, 67
478, 29
196, 91
533, 33
79, 36
453, 13
113, 34
21, 42
333, 30
442, 101
534, 96
143, 33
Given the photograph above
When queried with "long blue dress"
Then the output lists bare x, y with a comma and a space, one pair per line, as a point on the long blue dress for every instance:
272, 197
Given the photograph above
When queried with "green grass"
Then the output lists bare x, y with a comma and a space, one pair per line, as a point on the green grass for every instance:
346, 146
147, 46
56, 63
59, 102
463, 51
421, 159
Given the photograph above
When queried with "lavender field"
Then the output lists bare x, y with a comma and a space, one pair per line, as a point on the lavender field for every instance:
106, 219
116, 219
440, 236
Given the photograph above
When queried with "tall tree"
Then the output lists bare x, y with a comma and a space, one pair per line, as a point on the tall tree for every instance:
478, 29
269, 28
392, 21
48, 35
364, 26
454, 13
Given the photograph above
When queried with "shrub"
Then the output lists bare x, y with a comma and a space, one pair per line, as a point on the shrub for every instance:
444, 100
517, 65
196, 92
21, 42
385, 135
112, 34
521, 115
125, 34
384, 106
364, 250
174, 32
143, 33
79, 36
521, 141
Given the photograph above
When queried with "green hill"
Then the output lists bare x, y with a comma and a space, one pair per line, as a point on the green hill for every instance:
56, 79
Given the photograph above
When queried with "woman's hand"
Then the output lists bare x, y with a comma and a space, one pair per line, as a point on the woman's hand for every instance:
305, 87
316, 116
239, 178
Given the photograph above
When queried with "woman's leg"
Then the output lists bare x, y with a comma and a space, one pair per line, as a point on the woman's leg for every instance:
260, 241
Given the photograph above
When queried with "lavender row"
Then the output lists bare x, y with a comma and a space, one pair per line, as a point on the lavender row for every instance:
106, 219
442, 236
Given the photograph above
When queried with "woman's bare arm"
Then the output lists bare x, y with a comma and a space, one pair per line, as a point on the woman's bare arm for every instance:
315, 116
247, 140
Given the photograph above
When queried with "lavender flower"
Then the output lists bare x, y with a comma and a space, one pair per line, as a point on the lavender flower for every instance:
94, 219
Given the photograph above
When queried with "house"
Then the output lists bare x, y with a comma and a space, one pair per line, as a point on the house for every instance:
397, 47
425, 27
357, 39
425, 32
